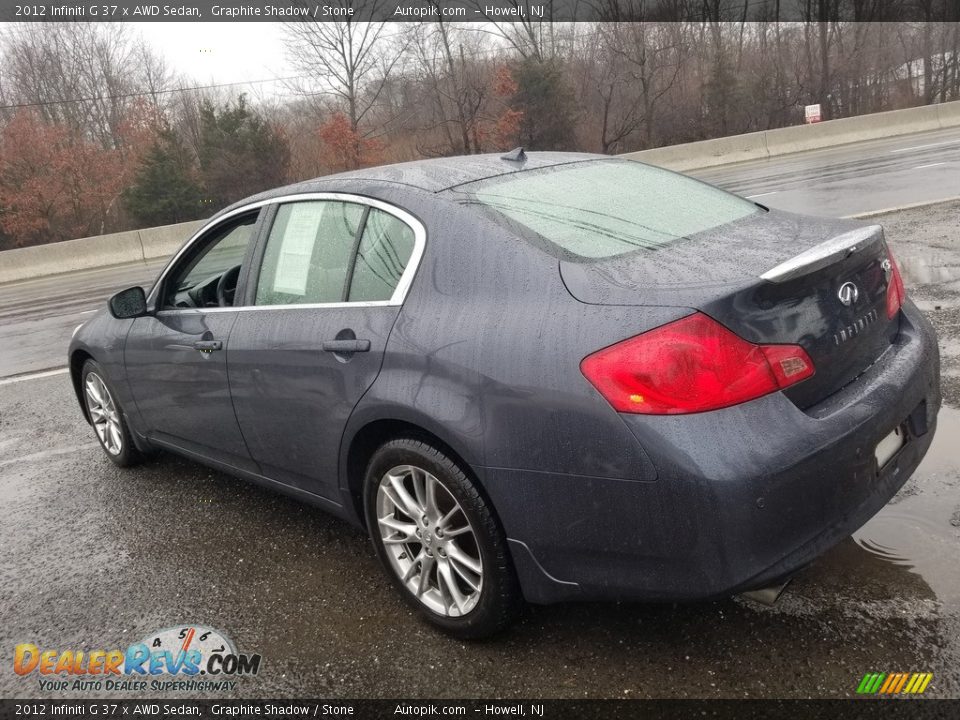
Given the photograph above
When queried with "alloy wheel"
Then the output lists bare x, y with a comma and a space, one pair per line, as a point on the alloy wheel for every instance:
104, 414
429, 541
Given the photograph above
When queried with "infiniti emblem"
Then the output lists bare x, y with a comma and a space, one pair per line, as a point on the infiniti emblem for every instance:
848, 293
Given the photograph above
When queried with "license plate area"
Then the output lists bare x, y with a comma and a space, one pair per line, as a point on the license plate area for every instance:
890, 446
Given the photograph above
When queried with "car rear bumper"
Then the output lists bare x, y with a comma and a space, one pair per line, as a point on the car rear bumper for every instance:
744, 495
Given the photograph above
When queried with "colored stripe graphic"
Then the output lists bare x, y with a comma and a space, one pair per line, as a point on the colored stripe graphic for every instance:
902, 680
886, 685
894, 683
913, 683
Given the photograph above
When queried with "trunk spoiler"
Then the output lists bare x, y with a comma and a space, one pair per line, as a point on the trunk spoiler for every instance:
826, 253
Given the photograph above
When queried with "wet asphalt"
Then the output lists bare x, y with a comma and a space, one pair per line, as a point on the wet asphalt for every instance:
92, 556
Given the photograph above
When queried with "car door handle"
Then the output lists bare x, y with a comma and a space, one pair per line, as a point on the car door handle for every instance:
346, 346
208, 345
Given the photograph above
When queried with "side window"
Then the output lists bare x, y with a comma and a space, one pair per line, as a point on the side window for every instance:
209, 278
308, 253
384, 251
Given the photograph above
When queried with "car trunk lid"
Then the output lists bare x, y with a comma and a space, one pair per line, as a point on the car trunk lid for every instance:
771, 278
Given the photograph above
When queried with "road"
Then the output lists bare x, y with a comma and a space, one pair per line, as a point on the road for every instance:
851, 179
93, 557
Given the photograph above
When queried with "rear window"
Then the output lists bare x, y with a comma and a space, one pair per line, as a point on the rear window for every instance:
607, 208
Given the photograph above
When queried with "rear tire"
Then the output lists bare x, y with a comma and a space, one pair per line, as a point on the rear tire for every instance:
106, 416
439, 541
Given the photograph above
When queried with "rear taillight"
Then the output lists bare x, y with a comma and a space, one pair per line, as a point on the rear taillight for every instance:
691, 365
896, 293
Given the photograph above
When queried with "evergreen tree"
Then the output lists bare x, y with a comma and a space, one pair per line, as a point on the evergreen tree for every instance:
545, 101
240, 153
163, 190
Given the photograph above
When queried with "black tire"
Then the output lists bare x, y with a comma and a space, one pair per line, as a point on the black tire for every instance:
128, 454
499, 598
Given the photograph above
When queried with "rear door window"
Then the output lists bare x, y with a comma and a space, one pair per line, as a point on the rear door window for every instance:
332, 251
384, 251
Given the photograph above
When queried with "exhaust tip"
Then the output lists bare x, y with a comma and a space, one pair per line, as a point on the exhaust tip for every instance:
767, 596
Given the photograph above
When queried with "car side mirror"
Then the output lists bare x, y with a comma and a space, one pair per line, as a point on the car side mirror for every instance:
129, 303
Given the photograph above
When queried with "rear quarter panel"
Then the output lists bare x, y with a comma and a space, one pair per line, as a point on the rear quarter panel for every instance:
486, 350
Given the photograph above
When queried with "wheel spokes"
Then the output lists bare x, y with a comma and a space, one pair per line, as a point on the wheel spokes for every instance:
429, 541
103, 414
402, 499
448, 586
460, 557
407, 531
426, 569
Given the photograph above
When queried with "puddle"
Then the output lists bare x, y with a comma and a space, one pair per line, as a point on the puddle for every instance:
929, 268
919, 530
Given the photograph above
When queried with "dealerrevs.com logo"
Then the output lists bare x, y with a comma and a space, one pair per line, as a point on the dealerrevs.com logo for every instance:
185, 657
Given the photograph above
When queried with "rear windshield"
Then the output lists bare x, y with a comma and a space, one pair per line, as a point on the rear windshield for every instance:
607, 208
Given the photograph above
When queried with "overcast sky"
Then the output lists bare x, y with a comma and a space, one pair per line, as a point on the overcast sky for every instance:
222, 52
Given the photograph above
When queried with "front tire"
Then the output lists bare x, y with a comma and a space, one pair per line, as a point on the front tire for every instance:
438, 540
106, 416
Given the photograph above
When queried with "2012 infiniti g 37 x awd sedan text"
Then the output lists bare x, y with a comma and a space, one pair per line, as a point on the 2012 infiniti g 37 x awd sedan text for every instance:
550, 377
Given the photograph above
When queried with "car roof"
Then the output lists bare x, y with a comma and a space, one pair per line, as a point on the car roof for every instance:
438, 174
431, 175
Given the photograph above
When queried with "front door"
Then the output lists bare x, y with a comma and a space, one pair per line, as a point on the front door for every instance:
324, 301
176, 357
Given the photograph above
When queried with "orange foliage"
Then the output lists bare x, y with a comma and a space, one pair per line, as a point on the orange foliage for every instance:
504, 85
346, 149
56, 186
506, 128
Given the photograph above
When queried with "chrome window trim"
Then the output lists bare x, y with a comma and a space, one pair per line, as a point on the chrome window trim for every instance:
399, 293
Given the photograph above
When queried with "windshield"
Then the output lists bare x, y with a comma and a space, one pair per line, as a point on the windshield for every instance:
607, 208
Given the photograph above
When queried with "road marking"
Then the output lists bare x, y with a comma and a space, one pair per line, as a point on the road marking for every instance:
898, 208
921, 167
34, 376
44, 454
921, 147
772, 192
86, 312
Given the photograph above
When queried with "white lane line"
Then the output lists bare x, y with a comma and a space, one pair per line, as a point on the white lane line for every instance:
921, 167
86, 312
751, 197
44, 454
921, 147
898, 208
34, 376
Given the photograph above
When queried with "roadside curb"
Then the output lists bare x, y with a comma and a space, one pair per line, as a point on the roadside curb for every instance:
898, 208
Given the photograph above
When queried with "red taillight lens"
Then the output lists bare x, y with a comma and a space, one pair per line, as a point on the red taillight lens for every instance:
896, 293
691, 365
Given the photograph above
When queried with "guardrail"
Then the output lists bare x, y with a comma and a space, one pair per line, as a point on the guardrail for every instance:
783, 141
157, 242
94, 252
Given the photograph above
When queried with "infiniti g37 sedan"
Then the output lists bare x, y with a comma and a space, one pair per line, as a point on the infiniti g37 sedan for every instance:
545, 377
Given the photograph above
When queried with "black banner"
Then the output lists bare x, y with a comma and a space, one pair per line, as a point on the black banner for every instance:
531, 709
518, 11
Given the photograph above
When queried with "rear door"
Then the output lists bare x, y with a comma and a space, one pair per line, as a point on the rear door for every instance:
327, 287
176, 358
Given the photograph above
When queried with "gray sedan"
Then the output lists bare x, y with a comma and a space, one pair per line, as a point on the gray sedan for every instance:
545, 377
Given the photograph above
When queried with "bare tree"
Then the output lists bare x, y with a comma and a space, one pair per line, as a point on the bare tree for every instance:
82, 75
350, 61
